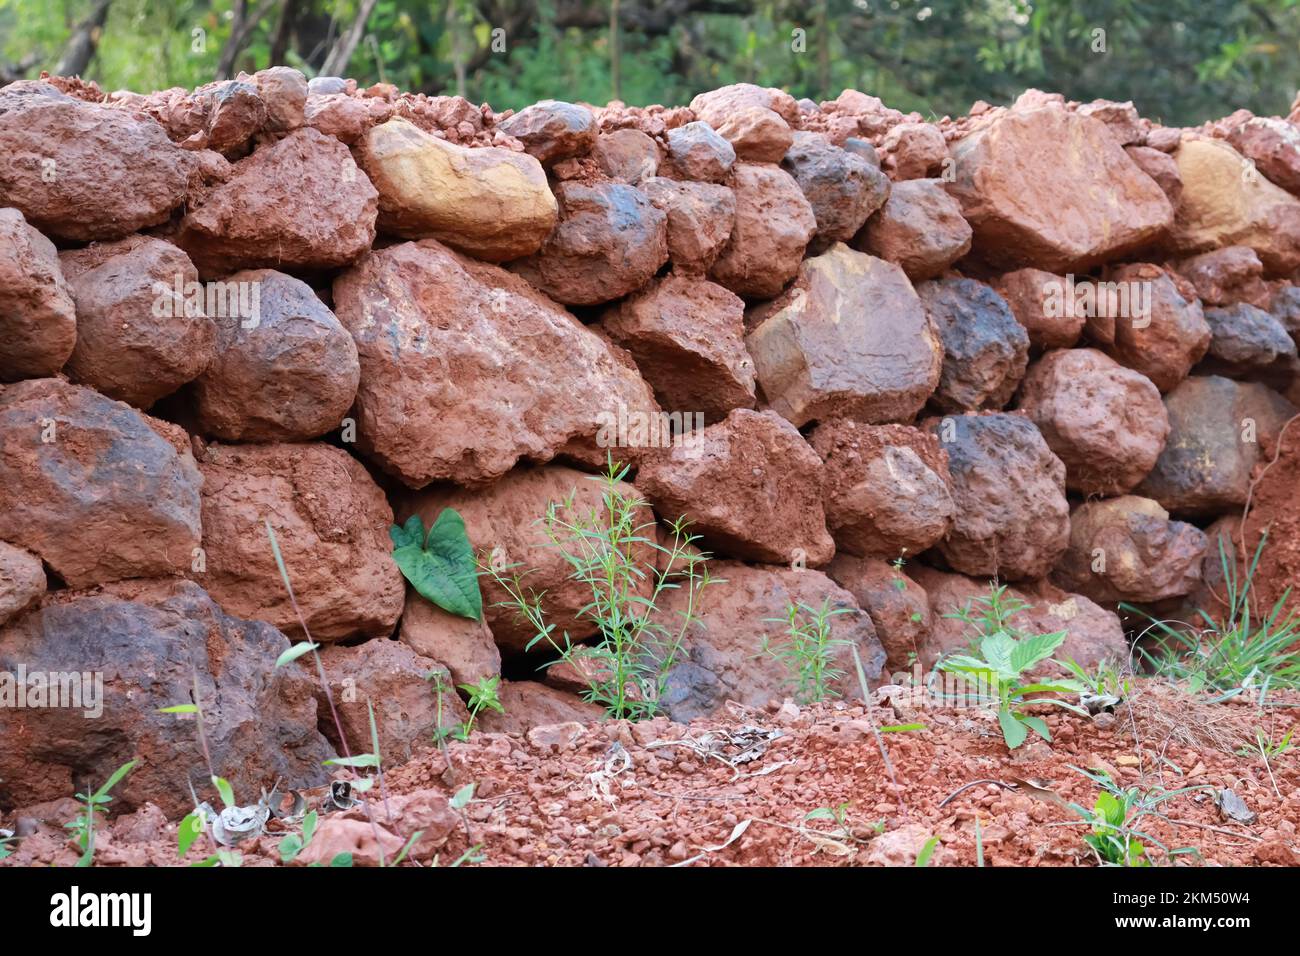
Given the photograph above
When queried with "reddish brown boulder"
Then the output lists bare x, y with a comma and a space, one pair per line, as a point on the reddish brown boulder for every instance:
464, 647
284, 91
774, 223
1219, 430
1163, 336
1012, 518
850, 338
985, 349
234, 114
1273, 145
1053, 189
142, 331
700, 218
552, 130
529, 704
345, 118
1104, 421
93, 487
697, 152
1036, 299
920, 227
38, 323
504, 522
627, 155
22, 581
1161, 167
289, 375
914, 151
1121, 120
1284, 305
750, 485
1127, 549
742, 612
714, 106
331, 522
1225, 276
757, 134
500, 371
1249, 343
610, 241
887, 488
686, 335
299, 203
899, 608
80, 171
843, 187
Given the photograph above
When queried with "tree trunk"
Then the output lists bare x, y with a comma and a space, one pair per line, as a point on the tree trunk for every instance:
83, 43
283, 31
338, 59
240, 32
615, 67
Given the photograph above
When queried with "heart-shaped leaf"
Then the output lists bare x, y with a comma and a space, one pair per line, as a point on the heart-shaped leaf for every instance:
441, 566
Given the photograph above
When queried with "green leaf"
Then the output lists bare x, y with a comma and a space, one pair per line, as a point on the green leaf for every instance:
1030, 650
440, 567
309, 827
927, 851
224, 789
1013, 731
295, 652
360, 760
997, 649
901, 728
188, 832
179, 709
290, 847
113, 781
1037, 724
463, 796
342, 859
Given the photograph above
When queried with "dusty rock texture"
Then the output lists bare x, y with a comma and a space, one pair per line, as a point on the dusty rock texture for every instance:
774, 223
700, 219
464, 647
898, 606
502, 372
552, 130
1248, 342
698, 153
849, 338
152, 640
1036, 299
920, 227
22, 581
38, 320
985, 349
331, 522
94, 488
1226, 276
1012, 518
750, 485
844, 188
887, 488
1105, 422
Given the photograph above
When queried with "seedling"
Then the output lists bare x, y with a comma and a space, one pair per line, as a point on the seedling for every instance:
83, 825
844, 829
1268, 749
482, 696
1114, 838
808, 651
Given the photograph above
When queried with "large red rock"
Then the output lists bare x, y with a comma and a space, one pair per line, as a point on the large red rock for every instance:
985, 349
757, 134
696, 152
153, 641
22, 581
920, 227
299, 203
687, 337
914, 151
1249, 343
700, 218
850, 338
1127, 549
38, 322
1012, 519
1037, 299
141, 330
774, 223
529, 704
93, 487
715, 106
1273, 145
289, 375
464, 647
627, 155
844, 188
899, 607
1161, 167
750, 485
466, 369
746, 607
1105, 422
887, 487
552, 130
610, 241
80, 171
1053, 189
331, 522
504, 522
1227, 275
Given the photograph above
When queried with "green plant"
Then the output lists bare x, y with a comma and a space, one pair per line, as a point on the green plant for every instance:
1114, 837
83, 825
1104, 680
1236, 651
839, 815
1004, 654
604, 548
900, 585
927, 851
482, 696
1268, 748
808, 651
440, 565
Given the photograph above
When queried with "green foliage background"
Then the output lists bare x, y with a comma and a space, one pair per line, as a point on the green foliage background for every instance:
1181, 61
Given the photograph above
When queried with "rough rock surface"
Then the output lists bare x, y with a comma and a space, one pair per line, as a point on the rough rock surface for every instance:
714, 106
757, 134
697, 152
38, 322
290, 375
723, 647
464, 647
1037, 300
687, 337
914, 151
700, 218
1048, 188
750, 485
1127, 549
552, 130
844, 188
1273, 145
152, 640
140, 335
300, 203
490, 203
501, 372
627, 155
899, 607
1218, 430
1161, 167
93, 487
529, 704
849, 338
503, 522
1012, 518
1225, 276
1105, 422
1248, 342
985, 349
80, 171
774, 223
920, 227
22, 580
610, 241
331, 522
887, 487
